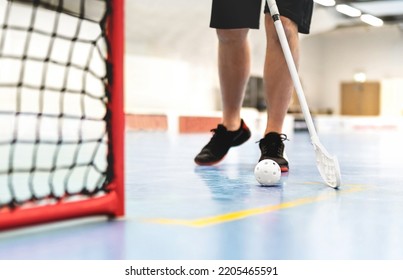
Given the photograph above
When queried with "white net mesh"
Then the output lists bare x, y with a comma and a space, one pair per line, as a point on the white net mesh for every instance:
53, 100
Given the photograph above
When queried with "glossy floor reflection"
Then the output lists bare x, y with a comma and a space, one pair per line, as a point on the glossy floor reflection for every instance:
177, 210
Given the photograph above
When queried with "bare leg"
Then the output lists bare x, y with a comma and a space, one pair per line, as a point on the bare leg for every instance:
234, 69
278, 83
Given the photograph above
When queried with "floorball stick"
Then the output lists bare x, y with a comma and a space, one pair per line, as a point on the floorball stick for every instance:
327, 164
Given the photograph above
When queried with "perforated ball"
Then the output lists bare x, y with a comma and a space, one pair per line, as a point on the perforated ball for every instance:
267, 172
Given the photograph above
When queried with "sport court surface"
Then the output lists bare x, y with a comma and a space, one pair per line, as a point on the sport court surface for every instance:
176, 210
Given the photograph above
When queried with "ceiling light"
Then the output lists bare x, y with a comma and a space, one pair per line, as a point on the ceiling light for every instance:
371, 20
348, 10
327, 3
360, 77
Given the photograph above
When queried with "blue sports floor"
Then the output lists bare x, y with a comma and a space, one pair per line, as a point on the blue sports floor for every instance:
176, 210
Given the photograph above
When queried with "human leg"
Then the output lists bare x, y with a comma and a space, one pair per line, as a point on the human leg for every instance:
278, 82
278, 85
232, 20
233, 69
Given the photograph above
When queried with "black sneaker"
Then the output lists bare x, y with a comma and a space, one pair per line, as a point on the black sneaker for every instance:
221, 142
272, 147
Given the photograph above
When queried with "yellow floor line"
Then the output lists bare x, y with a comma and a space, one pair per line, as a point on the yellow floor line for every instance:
209, 221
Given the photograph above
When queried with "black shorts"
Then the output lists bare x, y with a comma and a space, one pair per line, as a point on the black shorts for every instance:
233, 14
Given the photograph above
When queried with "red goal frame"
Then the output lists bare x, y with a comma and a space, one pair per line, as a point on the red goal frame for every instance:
112, 203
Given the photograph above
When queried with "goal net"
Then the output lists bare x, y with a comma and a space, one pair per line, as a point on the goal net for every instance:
61, 110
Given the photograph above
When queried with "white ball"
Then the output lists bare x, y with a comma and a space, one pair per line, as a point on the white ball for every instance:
267, 172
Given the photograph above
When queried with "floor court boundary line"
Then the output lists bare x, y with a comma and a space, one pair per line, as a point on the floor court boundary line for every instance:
242, 214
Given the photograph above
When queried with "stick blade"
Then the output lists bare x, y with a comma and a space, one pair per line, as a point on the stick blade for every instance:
328, 165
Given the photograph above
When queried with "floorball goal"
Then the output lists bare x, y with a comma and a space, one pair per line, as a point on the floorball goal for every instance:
61, 110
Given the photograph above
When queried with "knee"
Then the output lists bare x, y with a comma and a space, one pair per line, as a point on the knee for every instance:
232, 36
290, 28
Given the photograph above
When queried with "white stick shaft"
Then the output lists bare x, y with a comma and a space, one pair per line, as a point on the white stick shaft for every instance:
292, 68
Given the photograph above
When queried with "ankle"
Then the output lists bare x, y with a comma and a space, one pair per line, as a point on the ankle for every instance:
232, 125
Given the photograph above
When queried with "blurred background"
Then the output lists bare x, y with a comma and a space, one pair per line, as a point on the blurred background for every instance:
351, 63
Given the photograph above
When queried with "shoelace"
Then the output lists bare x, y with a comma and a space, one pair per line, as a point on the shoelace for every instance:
218, 131
273, 149
283, 137
219, 134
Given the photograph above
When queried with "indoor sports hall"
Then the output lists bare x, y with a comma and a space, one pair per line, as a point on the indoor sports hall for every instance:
105, 104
